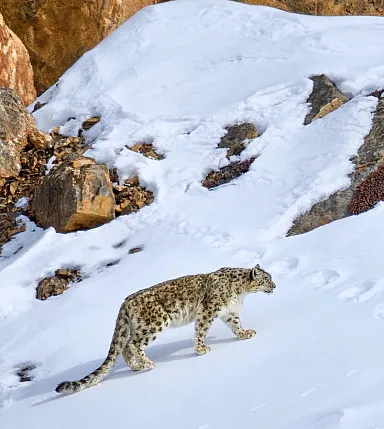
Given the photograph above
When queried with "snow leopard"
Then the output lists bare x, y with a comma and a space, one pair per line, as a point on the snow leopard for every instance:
180, 301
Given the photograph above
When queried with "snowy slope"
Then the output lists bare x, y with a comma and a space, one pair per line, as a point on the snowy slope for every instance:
177, 73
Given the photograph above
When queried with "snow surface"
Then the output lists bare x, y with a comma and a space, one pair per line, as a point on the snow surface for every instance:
175, 75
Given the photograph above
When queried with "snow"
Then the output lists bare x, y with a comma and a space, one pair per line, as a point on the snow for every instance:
175, 74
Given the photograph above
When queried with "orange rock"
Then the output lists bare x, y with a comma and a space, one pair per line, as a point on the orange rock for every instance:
76, 195
15, 67
17, 129
56, 33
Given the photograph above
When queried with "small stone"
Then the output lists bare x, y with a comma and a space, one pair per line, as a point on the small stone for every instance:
89, 123
135, 250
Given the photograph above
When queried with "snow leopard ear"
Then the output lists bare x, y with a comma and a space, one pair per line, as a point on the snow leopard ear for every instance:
254, 272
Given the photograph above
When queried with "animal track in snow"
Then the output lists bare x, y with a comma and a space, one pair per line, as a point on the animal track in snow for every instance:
323, 279
258, 407
309, 392
362, 292
378, 312
208, 236
284, 266
353, 372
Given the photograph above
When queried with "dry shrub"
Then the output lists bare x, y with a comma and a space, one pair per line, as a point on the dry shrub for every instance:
368, 193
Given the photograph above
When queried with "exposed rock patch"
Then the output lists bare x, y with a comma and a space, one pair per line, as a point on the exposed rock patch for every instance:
9, 227
17, 128
24, 372
75, 195
235, 138
325, 98
130, 196
57, 284
147, 150
135, 250
367, 182
227, 174
15, 67
34, 164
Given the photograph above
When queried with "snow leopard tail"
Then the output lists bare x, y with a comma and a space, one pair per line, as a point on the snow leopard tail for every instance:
119, 340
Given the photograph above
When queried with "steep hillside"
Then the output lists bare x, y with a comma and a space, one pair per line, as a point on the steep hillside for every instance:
175, 75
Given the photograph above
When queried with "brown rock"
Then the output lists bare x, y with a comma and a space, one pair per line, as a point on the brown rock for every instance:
50, 286
89, 123
227, 174
367, 183
8, 227
324, 99
15, 126
326, 7
75, 195
235, 137
147, 150
56, 33
15, 67
135, 250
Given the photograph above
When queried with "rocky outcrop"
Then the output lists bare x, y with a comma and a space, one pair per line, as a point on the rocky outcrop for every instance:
227, 174
324, 99
234, 141
15, 67
17, 128
75, 195
236, 136
367, 182
56, 33
325, 7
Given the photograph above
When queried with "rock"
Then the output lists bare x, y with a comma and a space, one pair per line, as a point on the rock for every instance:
15, 67
135, 250
17, 128
57, 33
226, 174
325, 98
50, 286
131, 197
325, 7
89, 123
57, 284
8, 227
24, 372
235, 137
147, 150
367, 183
75, 195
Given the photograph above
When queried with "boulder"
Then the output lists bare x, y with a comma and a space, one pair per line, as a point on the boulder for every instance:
17, 128
367, 182
56, 33
75, 195
324, 99
16, 70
